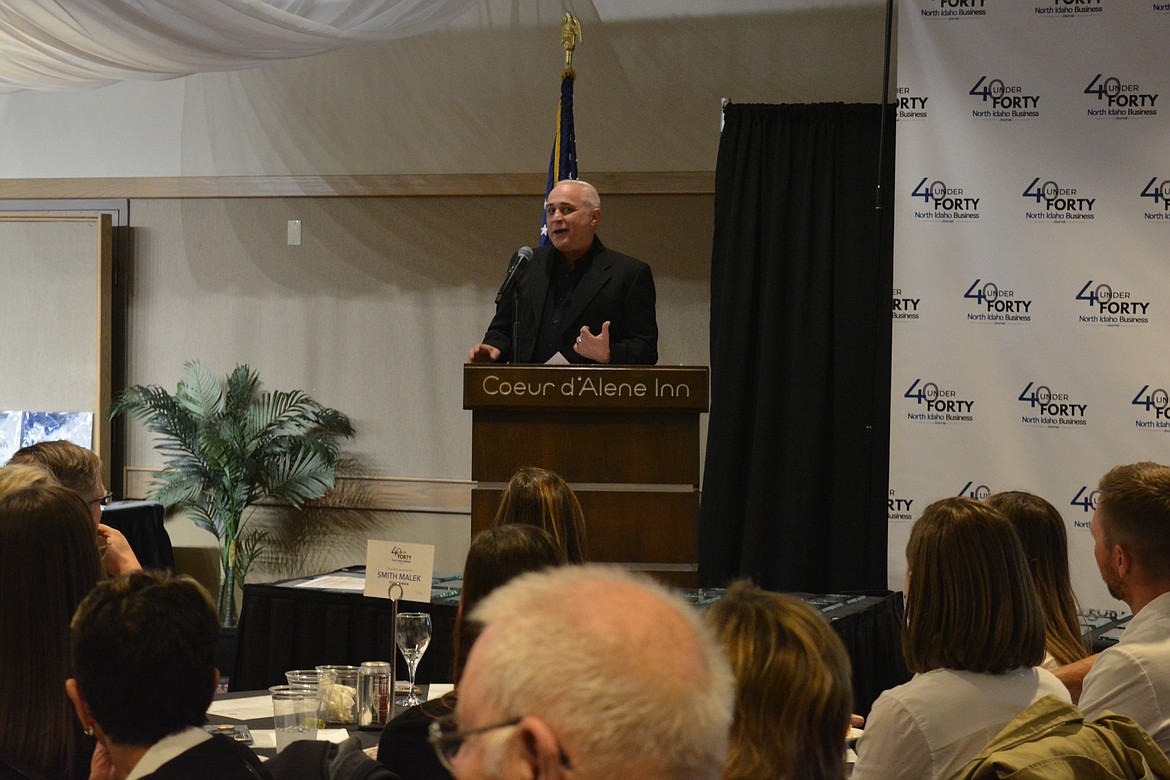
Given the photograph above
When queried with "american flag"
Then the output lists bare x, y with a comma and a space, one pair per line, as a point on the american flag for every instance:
562, 163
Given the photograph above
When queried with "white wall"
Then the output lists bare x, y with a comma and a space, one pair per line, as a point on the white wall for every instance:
477, 97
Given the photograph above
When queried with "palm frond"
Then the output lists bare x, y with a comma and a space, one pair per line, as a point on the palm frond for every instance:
334, 423
200, 392
300, 477
158, 410
173, 488
277, 412
242, 385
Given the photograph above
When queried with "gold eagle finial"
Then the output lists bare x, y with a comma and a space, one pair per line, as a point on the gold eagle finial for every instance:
570, 37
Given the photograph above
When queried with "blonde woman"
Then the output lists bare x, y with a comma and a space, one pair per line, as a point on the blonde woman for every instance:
793, 695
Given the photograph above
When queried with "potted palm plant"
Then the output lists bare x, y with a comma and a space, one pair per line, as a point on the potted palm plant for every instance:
227, 445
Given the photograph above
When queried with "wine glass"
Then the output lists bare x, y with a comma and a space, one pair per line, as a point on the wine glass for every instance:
412, 632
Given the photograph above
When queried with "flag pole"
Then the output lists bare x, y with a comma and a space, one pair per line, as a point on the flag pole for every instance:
562, 162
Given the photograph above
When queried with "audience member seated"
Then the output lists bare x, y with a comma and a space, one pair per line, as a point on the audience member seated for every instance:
793, 694
496, 555
80, 470
143, 676
974, 637
591, 673
1131, 534
48, 563
535, 496
1045, 541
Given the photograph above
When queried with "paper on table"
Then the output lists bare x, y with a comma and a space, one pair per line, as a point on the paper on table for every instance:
266, 738
246, 708
435, 690
334, 582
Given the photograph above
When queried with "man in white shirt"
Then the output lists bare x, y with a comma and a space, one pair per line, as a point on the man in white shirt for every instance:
1131, 531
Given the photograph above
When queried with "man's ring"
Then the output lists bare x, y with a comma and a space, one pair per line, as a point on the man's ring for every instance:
578, 339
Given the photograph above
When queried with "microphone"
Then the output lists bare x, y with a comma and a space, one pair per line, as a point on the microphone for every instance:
515, 269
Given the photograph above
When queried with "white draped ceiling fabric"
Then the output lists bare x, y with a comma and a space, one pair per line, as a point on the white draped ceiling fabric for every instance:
68, 44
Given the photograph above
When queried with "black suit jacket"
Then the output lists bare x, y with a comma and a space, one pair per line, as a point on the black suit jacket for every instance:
616, 287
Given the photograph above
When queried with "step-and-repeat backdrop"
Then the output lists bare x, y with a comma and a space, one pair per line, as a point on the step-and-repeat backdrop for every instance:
1032, 256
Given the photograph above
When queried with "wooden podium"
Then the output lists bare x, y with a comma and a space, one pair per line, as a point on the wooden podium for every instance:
625, 438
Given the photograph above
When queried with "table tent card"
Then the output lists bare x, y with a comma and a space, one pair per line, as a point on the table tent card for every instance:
408, 565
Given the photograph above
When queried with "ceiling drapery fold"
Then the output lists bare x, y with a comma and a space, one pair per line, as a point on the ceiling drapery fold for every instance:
69, 44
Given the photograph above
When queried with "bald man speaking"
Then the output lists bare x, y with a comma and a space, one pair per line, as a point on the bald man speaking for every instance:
575, 298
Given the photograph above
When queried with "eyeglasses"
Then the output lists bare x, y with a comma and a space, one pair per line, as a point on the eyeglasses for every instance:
104, 500
447, 740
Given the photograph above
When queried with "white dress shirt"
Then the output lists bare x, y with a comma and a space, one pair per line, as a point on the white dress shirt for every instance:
933, 725
1132, 678
166, 749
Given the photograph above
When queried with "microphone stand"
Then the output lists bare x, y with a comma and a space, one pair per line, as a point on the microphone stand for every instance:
518, 266
515, 319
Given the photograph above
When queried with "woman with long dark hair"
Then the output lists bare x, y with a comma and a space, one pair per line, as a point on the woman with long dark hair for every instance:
48, 563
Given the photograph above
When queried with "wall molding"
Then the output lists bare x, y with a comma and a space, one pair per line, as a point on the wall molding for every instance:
365, 186
370, 493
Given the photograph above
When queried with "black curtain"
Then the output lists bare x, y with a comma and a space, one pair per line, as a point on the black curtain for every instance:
796, 473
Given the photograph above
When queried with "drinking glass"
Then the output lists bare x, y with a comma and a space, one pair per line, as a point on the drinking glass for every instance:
294, 713
412, 632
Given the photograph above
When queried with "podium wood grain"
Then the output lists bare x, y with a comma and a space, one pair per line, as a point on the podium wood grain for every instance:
625, 438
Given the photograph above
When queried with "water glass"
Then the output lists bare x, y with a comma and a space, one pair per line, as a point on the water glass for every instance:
294, 711
338, 686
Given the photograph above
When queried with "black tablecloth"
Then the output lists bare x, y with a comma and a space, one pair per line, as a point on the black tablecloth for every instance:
871, 630
284, 627
141, 522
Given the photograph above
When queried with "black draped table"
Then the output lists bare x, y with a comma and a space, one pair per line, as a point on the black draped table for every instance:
141, 522
870, 625
285, 626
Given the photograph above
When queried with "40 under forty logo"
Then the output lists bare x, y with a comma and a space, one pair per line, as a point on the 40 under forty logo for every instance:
977, 492
1055, 202
951, 9
1120, 100
905, 307
1001, 305
1155, 402
943, 202
942, 406
1066, 7
1003, 101
1112, 307
1048, 408
911, 106
899, 508
1159, 193
1086, 500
